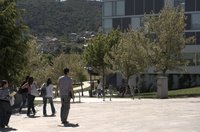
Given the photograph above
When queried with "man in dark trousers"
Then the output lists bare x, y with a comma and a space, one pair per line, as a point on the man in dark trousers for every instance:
66, 93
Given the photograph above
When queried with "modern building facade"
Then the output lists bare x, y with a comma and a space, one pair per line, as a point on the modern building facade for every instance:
124, 14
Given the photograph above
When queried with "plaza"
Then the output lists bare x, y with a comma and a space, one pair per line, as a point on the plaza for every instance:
118, 115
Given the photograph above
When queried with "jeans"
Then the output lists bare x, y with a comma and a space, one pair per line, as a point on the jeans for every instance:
31, 99
45, 104
64, 112
5, 112
24, 100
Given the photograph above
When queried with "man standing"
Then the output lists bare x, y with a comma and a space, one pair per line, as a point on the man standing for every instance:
66, 93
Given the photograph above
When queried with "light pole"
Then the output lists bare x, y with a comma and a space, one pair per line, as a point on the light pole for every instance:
89, 69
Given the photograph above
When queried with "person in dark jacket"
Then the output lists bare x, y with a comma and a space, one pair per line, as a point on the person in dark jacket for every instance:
24, 93
5, 107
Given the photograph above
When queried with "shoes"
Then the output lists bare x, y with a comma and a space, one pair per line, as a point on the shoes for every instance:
53, 114
2, 126
65, 122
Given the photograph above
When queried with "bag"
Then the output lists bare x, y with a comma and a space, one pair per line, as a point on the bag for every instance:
43, 90
12, 100
34, 90
22, 90
70, 94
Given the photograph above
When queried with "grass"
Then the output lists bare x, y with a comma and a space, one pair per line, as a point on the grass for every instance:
181, 93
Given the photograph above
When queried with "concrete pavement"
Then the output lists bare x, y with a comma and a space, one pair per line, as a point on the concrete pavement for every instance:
118, 115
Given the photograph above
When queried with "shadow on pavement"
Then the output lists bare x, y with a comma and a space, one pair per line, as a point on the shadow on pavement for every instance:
70, 125
7, 129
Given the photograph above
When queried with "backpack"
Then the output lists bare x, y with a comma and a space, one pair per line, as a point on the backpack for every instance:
43, 90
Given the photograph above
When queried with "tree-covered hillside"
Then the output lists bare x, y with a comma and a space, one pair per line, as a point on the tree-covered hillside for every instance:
50, 17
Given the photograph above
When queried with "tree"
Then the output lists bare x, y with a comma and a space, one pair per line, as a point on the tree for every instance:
165, 31
97, 49
13, 41
129, 56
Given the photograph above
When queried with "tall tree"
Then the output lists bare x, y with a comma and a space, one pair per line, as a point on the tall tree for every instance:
168, 40
129, 56
13, 40
97, 49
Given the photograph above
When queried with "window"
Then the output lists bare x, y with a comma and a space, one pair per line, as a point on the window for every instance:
139, 8
198, 38
190, 34
117, 23
169, 3
198, 59
188, 21
107, 9
107, 23
135, 23
159, 4
198, 5
190, 5
149, 6
180, 3
129, 7
120, 8
126, 24
190, 57
195, 21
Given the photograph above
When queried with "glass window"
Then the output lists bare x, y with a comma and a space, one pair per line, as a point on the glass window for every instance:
169, 3
195, 21
139, 6
120, 8
197, 5
188, 35
198, 59
188, 21
129, 7
126, 22
135, 23
159, 4
180, 3
190, 57
198, 38
148, 6
189, 5
107, 8
107, 24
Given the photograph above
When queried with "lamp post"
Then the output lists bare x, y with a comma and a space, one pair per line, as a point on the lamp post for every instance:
89, 69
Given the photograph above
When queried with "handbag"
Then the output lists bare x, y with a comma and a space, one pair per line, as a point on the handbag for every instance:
43, 90
12, 100
34, 90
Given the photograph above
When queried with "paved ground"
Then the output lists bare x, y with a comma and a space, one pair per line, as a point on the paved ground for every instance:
118, 115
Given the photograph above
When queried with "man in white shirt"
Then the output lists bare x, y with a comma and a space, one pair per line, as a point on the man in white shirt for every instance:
66, 93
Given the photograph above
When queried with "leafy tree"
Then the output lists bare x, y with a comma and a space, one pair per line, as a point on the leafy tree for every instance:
98, 47
165, 31
13, 41
73, 62
129, 56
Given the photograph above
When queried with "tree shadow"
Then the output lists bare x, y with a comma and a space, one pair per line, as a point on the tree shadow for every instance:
7, 129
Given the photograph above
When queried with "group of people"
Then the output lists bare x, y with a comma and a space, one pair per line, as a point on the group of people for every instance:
28, 91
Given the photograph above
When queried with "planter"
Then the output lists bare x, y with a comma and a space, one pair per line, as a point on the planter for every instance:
162, 87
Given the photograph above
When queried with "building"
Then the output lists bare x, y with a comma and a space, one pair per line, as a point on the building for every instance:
126, 14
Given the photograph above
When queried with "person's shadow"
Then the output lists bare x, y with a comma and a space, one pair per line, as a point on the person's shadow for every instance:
7, 129
70, 125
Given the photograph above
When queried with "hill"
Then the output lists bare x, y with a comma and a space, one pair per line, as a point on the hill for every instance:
54, 18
